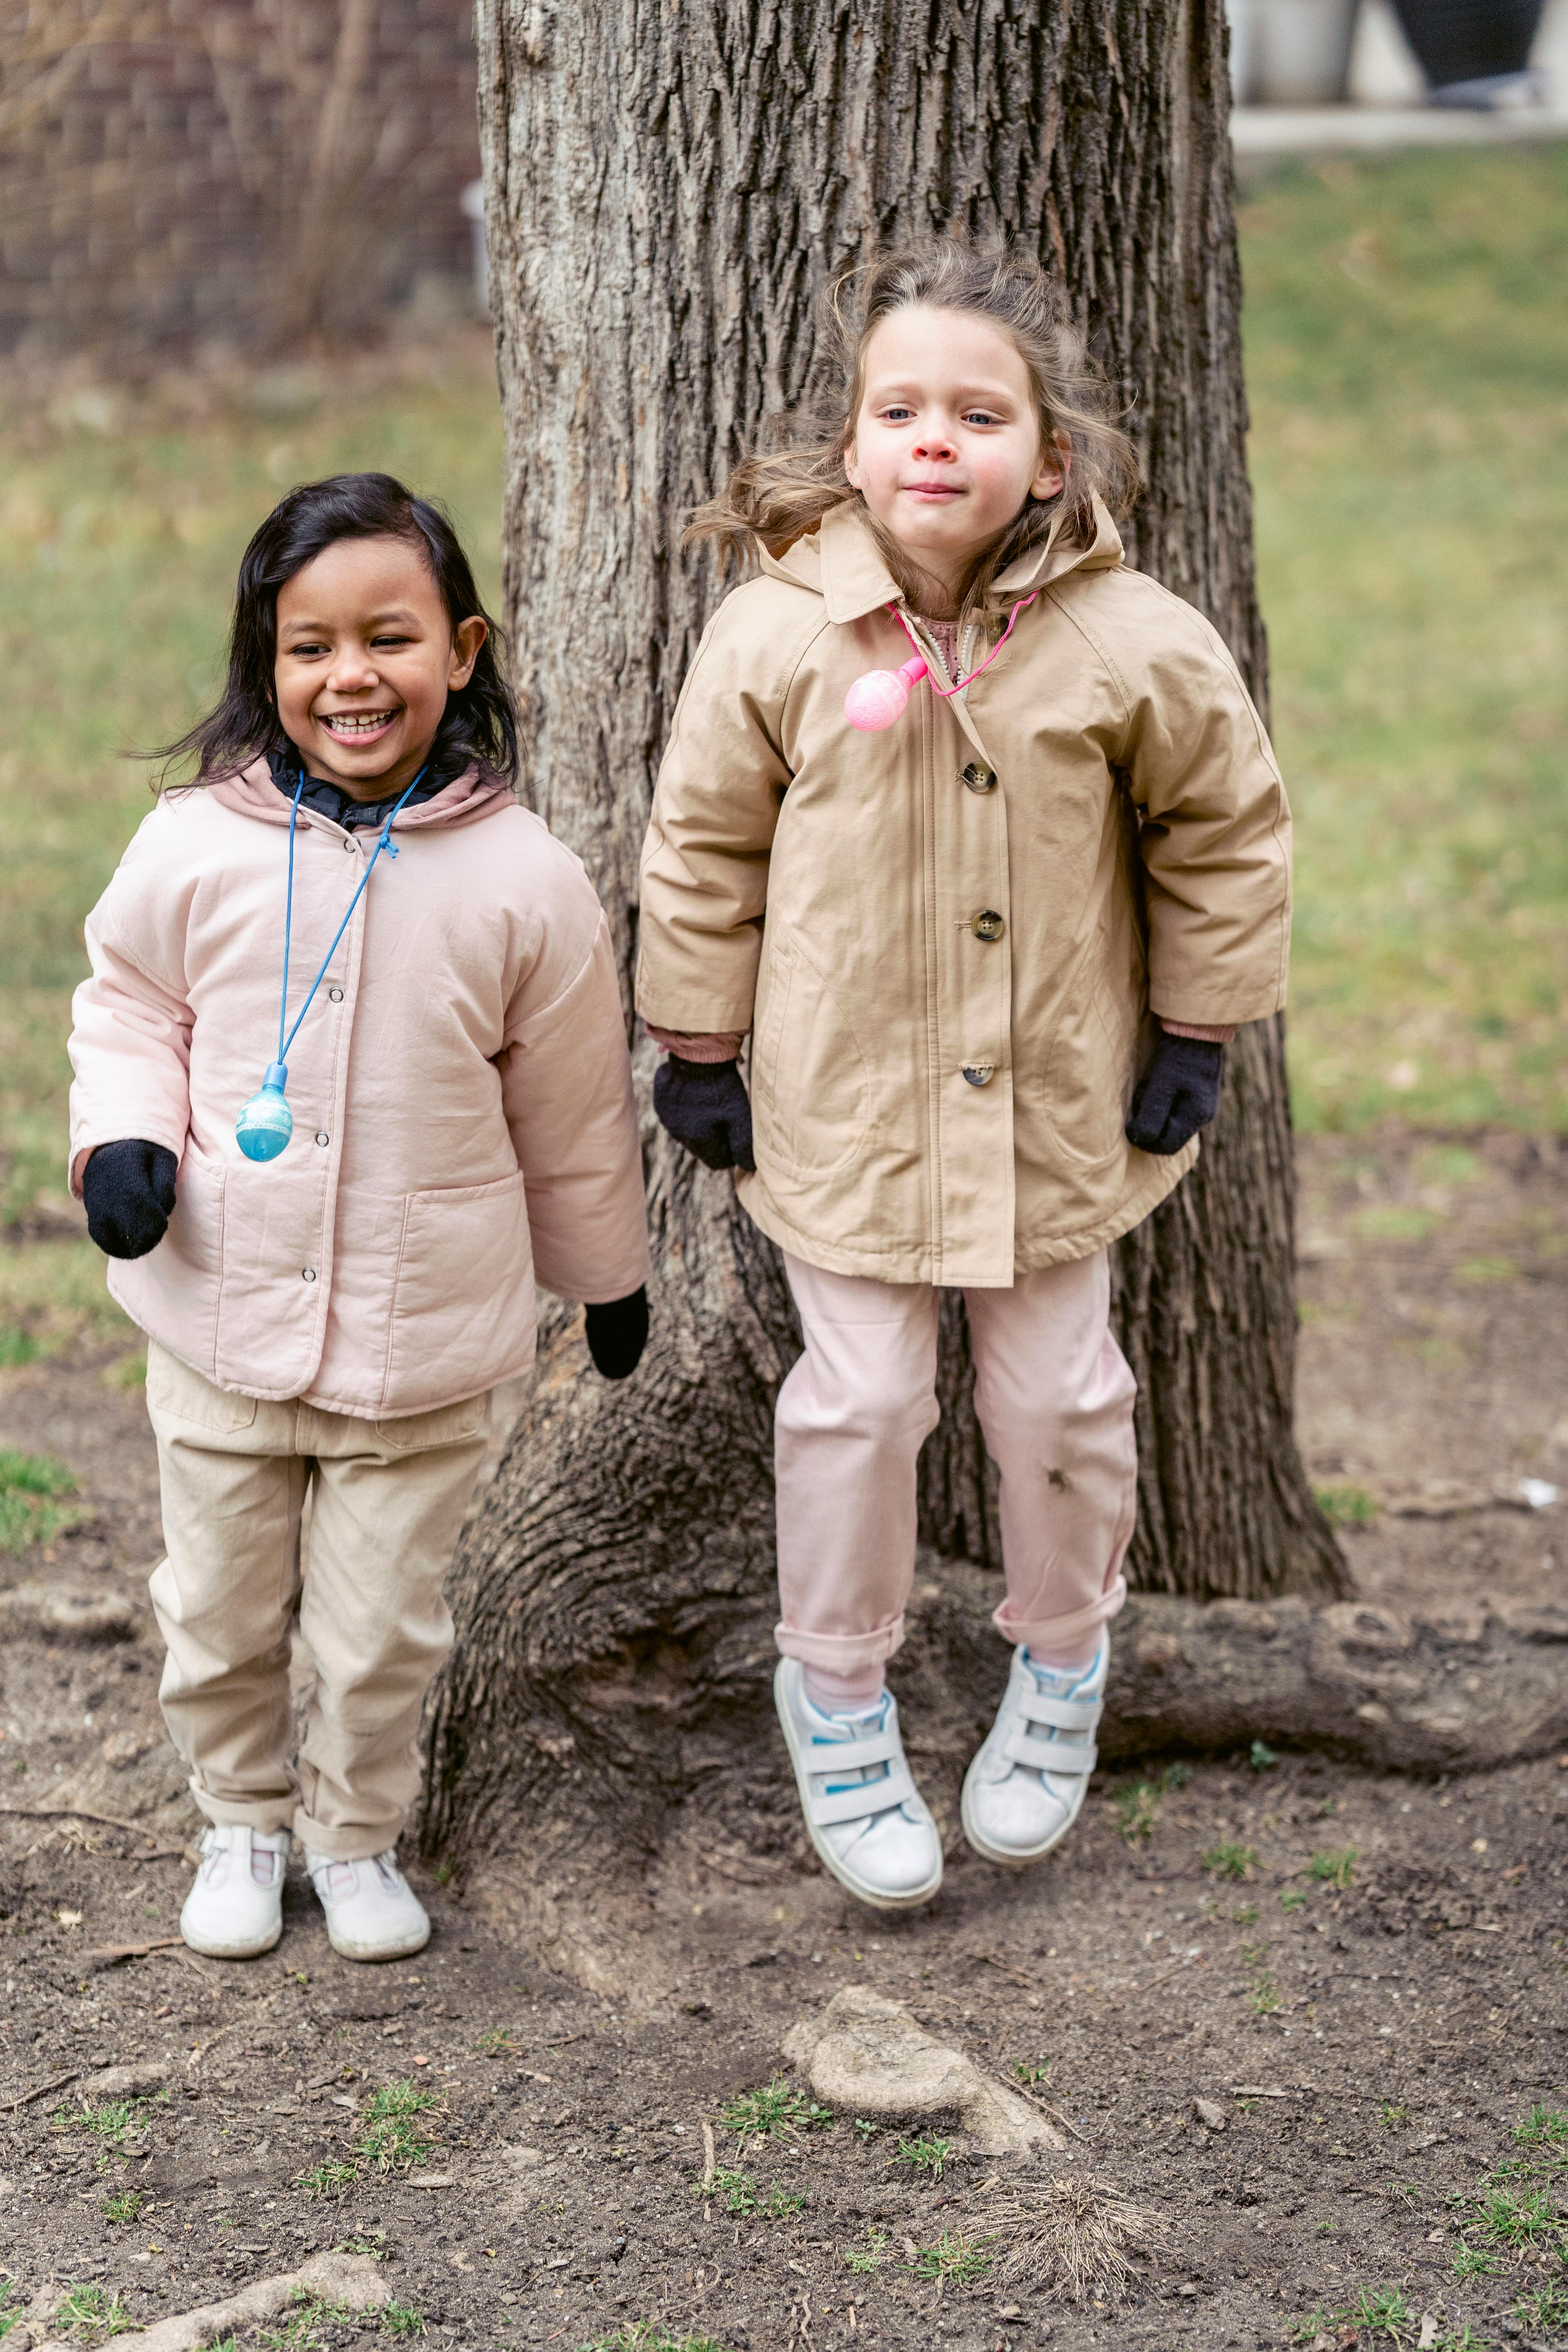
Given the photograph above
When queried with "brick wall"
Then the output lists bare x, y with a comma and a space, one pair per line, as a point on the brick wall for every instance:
174, 171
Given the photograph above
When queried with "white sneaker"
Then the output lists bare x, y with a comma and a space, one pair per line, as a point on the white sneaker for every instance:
373, 1913
1027, 1786
235, 1910
863, 1812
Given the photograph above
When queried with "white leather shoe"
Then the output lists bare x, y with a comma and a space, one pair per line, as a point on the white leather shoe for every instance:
235, 1910
863, 1812
373, 1913
1027, 1786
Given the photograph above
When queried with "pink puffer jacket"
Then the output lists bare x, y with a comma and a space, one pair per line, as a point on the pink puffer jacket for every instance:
461, 1091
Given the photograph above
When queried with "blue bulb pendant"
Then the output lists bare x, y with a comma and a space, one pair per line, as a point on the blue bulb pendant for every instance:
266, 1123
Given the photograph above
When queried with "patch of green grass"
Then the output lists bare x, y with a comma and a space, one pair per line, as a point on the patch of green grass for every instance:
1382, 2309
1393, 2117
955, 2260
1395, 1220
924, 2155
1406, 341
1229, 1859
1291, 1898
1138, 1806
773, 2111
741, 2198
1514, 2218
1476, 1271
871, 2256
128, 1372
499, 2043
94, 2310
649, 2335
1346, 1506
1543, 2128
865, 2128
30, 1509
326, 2182
54, 1293
17, 1348
1544, 2313
1040, 2073
401, 2319
123, 2206
391, 2134
1335, 1869
1262, 1758
1262, 1997
1470, 2262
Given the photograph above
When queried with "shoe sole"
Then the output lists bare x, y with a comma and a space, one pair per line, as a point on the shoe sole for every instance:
872, 1896
404, 1951
1008, 1858
230, 1951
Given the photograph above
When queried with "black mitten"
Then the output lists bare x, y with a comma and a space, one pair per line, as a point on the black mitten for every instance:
128, 1192
616, 1334
705, 1107
1178, 1094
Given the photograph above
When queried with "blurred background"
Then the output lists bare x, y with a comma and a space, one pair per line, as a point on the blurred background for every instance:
237, 248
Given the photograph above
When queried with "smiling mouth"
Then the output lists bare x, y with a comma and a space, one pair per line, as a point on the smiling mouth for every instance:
932, 490
356, 726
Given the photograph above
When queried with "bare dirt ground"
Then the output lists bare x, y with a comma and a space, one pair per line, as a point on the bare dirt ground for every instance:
1362, 1978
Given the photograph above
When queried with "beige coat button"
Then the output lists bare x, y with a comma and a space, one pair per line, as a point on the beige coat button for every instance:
980, 1074
988, 924
979, 779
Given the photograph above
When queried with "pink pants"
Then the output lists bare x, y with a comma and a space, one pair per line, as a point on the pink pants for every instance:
1055, 1399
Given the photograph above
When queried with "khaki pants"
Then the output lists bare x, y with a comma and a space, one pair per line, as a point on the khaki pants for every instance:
387, 1499
1055, 1398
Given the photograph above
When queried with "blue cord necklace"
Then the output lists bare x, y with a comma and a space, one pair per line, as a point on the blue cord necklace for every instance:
266, 1123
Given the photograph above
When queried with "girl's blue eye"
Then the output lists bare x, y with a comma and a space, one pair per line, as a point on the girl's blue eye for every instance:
979, 416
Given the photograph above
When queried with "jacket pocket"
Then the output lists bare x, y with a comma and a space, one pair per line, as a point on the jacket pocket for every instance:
173, 1388
810, 1086
462, 1298
1091, 1067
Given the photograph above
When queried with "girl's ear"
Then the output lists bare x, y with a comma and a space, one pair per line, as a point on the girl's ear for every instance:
1050, 477
466, 639
851, 466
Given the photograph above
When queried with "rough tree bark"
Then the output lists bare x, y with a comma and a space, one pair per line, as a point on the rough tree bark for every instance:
670, 186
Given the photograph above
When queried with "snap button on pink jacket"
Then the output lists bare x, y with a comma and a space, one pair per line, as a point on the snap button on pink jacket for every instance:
463, 1114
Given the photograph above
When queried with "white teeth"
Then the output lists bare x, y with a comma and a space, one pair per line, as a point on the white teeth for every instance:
349, 722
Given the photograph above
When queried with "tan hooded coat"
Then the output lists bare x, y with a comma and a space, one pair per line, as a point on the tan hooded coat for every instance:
461, 1091
947, 938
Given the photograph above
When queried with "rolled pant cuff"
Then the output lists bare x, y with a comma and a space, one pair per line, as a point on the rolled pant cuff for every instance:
841, 1654
1060, 1633
344, 1844
265, 1815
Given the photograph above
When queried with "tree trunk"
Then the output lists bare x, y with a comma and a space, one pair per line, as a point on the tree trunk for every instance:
670, 186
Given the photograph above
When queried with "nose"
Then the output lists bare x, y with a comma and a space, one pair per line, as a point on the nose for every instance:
352, 672
934, 444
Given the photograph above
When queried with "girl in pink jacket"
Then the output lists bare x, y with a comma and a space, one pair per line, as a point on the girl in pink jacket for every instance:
351, 1077
969, 837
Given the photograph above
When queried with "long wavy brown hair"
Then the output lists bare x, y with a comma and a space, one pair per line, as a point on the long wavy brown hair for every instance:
774, 497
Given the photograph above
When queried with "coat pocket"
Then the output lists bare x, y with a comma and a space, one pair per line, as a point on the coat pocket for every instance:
1091, 1068
811, 1089
462, 1300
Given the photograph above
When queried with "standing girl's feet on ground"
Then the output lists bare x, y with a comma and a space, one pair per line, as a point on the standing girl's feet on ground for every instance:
373, 1913
1027, 1786
863, 1812
235, 1910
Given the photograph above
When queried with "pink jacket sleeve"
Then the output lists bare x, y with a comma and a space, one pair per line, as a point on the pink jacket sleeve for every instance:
566, 1088
130, 1050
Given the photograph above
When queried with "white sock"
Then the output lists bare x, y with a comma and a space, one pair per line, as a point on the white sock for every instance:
843, 1693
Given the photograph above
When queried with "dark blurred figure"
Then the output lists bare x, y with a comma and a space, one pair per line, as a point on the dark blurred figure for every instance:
1474, 52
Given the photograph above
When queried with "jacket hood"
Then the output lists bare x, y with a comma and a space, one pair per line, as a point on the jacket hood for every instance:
475, 793
841, 561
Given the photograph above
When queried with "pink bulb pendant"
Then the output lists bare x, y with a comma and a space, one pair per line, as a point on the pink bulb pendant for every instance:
880, 697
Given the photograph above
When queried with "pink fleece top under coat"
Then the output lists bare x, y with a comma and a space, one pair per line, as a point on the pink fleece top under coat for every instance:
463, 1115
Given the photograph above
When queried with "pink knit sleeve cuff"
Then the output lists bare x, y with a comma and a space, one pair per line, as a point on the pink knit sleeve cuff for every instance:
1221, 1036
700, 1046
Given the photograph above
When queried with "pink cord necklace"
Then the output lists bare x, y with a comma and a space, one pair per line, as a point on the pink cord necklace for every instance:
880, 697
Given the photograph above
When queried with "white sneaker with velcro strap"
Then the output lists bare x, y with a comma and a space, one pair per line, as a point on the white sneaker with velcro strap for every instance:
1027, 1786
235, 1910
863, 1812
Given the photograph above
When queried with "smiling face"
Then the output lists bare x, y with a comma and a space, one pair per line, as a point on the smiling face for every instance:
366, 657
947, 443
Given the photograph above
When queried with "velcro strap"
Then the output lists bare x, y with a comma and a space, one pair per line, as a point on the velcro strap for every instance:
1070, 1757
1062, 1714
860, 1804
853, 1755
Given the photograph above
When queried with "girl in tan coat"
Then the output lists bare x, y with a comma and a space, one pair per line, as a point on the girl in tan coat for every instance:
982, 929
335, 1274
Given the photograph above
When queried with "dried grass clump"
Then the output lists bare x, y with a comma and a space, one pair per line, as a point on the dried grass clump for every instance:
1079, 2238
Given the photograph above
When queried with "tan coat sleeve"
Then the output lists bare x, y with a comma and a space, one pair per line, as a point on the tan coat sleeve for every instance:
566, 1089
715, 808
1215, 833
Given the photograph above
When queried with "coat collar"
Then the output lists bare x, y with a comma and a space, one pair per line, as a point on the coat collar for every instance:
841, 561
473, 794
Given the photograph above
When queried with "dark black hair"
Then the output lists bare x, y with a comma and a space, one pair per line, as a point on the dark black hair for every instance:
479, 722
